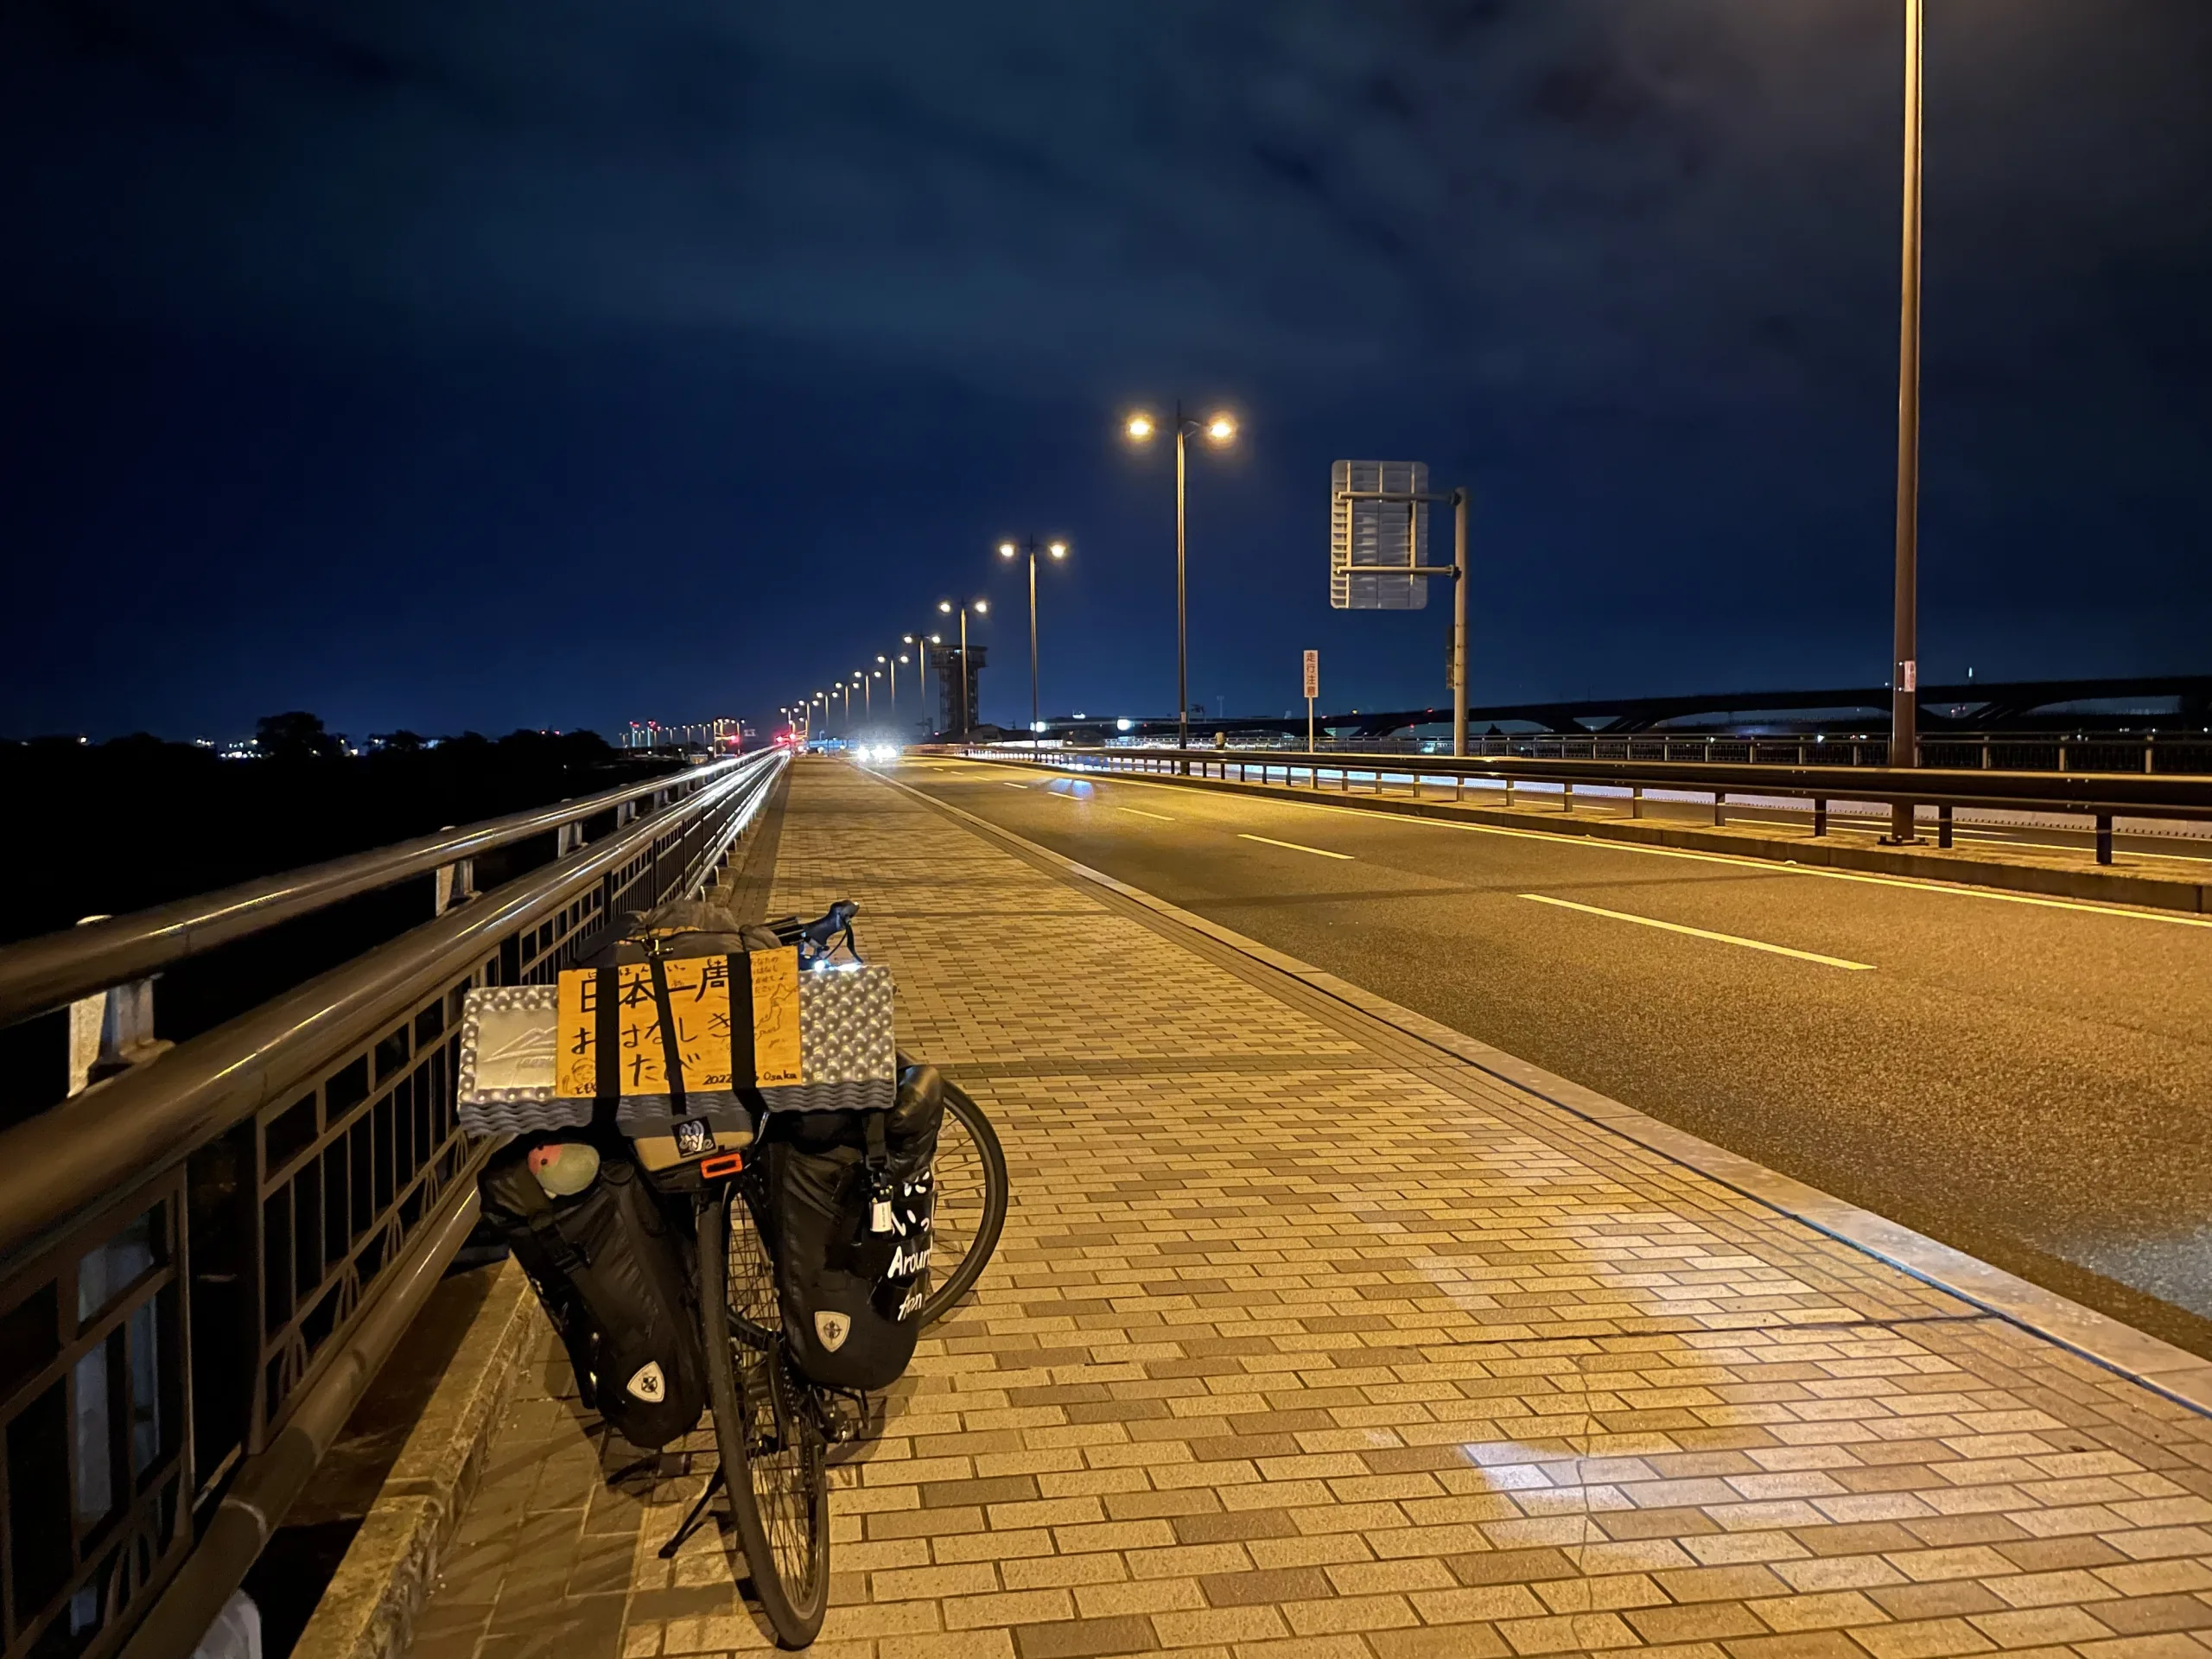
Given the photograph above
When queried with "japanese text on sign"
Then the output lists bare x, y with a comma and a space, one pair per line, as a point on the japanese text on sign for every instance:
699, 1006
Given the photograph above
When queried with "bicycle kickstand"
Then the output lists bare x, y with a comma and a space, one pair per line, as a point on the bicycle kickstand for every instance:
714, 1484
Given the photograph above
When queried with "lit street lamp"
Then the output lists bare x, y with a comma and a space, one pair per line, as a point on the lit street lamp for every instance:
1904, 668
1058, 550
982, 607
921, 643
1218, 430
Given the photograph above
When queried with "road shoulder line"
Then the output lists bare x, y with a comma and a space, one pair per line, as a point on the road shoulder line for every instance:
2159, 1366
1937, 870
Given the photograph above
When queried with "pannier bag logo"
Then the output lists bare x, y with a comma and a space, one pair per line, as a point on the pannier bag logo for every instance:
692, 1136
649, 1385
908, 1259
833, 1329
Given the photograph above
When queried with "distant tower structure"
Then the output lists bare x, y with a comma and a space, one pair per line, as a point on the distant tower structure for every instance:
952, 669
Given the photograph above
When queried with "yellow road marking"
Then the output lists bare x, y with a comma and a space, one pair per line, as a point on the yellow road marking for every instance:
1318, 852
1702, 934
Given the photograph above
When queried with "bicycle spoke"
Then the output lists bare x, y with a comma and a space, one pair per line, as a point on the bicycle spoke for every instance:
958, 1176
784, 1467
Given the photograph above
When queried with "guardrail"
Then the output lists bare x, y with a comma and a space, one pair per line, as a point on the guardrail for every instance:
204, 1258
2183, 751
2101, 797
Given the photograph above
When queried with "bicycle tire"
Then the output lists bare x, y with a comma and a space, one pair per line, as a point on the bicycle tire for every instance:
770, 1435
970, 1227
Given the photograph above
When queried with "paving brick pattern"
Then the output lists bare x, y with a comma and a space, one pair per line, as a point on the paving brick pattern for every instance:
1307, 1342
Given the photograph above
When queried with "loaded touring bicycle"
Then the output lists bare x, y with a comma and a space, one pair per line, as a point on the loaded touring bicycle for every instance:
731, 1193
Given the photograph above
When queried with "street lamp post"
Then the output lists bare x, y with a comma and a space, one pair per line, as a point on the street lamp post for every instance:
1905, 667
921, 643
982, 607
1220, 429
1058, 550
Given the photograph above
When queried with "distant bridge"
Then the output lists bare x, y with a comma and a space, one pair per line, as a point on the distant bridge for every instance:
1974, 705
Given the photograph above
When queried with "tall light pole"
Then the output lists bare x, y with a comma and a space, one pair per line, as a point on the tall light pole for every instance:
1058, 550
1904, 668
982, 607
1219, 430
921, 643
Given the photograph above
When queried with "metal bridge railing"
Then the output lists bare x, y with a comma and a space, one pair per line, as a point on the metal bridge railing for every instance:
2183, 751
204, 1258
2099, 796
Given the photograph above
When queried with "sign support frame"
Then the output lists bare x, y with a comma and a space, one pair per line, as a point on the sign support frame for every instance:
1457, 570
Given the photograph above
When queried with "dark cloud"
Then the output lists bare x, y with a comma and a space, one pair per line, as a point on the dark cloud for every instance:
1629, 264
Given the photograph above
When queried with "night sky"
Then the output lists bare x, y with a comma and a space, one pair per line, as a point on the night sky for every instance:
497, 363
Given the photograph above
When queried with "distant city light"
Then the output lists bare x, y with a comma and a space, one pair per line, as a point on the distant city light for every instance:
1124, 725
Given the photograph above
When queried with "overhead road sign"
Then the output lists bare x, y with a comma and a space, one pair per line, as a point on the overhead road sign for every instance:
1379, 534
1378, 552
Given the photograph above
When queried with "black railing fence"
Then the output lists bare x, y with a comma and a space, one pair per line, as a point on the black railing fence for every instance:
206, 1249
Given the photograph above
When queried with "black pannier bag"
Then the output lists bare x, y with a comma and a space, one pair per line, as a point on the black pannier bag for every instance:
852, 1204
609, 1270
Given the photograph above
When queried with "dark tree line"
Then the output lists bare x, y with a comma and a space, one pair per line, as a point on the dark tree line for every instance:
110, 828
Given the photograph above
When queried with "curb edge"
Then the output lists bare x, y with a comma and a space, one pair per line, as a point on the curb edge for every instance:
381, 1586
2173, 1373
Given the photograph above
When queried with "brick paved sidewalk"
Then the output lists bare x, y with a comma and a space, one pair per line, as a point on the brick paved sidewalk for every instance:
1306, 1341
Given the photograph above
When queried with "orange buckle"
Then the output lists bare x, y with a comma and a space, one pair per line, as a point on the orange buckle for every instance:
726, 1163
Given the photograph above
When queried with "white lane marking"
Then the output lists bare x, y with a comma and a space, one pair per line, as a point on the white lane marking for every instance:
1318, 852
1703, 934
1013, 785
1142, 813
1596, 844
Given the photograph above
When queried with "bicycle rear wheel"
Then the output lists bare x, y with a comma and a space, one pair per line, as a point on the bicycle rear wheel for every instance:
766, 1421
969, 1212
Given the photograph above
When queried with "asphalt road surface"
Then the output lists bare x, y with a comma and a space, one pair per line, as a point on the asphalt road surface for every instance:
2027, 1079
